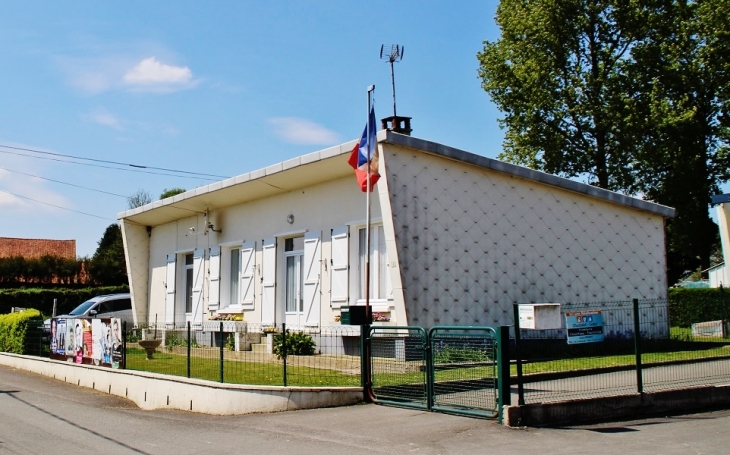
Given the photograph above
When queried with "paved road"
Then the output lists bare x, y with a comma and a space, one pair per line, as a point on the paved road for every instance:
39, 415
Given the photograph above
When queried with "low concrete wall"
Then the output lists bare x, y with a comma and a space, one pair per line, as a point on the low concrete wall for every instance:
620, 407
156, 391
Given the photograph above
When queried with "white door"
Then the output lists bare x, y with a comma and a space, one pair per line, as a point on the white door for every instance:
268, 281
293, 281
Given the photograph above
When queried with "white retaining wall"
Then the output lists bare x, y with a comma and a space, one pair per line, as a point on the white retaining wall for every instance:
156, 391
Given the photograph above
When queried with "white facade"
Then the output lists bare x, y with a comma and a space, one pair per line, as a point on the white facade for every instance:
721, 274
456, 239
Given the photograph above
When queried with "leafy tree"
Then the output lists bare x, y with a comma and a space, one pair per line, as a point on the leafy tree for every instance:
108, 265
627, 94
138, 199
171, 192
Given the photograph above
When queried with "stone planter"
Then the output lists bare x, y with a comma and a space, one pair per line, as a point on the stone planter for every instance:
149, 346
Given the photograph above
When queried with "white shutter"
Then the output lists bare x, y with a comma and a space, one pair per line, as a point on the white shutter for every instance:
268, 281
198, 257
248, 272
339, 272
170, 291
312, 264
214, 266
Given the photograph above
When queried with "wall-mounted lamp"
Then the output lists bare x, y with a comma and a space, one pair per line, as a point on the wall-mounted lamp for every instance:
290, 218
211, 227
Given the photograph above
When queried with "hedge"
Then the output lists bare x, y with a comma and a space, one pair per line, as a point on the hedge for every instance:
42, 299
16, 328
687, 306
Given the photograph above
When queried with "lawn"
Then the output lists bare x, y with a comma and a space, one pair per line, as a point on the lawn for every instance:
238, 372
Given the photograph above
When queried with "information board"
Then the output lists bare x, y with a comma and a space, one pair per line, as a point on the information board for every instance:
584, 326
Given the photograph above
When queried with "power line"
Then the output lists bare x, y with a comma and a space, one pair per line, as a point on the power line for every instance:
56, 206
65, 183
139, 166
104, 167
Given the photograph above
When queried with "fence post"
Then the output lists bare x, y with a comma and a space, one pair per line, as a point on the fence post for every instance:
503, 370
124, 344
189, 349
430, 369
283, 348
637, 349
220, 336
518, 359
365, 380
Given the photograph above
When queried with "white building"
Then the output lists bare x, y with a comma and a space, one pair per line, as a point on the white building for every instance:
721, 274
457, 239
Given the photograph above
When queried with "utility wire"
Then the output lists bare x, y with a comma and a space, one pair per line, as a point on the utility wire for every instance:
57, 206
140, 166
65, 183
104, 167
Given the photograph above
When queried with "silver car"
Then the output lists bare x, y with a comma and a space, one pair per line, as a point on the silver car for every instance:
101, 306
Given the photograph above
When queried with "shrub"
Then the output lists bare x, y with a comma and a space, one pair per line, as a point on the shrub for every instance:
16, 328
297, 343
687, 306
42, 299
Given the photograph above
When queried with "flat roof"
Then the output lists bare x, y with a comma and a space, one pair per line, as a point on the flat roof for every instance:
328, 164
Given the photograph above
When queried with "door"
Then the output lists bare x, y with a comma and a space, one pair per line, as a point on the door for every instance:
294, 281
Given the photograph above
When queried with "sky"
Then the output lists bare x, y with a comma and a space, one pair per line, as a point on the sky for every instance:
215, 88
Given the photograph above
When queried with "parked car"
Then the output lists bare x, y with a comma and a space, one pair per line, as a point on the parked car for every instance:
101, 306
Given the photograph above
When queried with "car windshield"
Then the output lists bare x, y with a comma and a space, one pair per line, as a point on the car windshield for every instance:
81, 309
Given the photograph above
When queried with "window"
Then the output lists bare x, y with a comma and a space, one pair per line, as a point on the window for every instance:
189, 283
294, 257
234, 276
380, 288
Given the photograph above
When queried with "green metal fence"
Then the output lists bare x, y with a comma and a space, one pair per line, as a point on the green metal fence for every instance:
447, 369
398, 365
638, 351
243, 353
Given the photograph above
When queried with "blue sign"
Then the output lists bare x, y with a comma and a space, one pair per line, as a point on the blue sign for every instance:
584, 326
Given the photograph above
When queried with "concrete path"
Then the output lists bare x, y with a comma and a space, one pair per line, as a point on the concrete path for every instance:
39, 415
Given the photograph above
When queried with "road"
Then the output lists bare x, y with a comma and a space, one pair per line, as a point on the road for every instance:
40, 415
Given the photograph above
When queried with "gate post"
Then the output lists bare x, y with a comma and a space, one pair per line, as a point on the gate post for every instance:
520, 386
503, 371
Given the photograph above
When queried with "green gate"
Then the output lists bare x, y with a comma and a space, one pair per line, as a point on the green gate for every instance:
447, 369
463, 370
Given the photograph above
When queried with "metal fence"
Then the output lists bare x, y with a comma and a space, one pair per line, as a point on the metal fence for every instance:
548, 367
243, 353
449, 369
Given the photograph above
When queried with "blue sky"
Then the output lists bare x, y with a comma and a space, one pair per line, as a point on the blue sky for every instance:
218, 88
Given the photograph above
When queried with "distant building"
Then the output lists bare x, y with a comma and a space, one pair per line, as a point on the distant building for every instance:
720, 274
36, 248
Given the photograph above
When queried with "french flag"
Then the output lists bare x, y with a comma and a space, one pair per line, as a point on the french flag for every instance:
365, 154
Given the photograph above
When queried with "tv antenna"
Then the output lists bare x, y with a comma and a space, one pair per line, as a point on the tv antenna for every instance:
394, 54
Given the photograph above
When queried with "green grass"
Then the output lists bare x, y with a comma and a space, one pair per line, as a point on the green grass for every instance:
237, 372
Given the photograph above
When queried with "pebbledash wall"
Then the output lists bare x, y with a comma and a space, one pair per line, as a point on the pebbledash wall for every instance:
457, 238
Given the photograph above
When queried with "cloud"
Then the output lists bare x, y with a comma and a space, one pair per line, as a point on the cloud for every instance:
99, 74
302, 131
18, 190
150, 71
103, 117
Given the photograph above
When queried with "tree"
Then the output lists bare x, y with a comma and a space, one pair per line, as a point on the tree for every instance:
108, 266
171, 192
138, 199
598, 90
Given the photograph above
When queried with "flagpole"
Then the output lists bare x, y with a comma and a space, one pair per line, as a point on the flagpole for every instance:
370, 150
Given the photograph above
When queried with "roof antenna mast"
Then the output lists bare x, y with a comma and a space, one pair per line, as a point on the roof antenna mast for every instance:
392, 53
